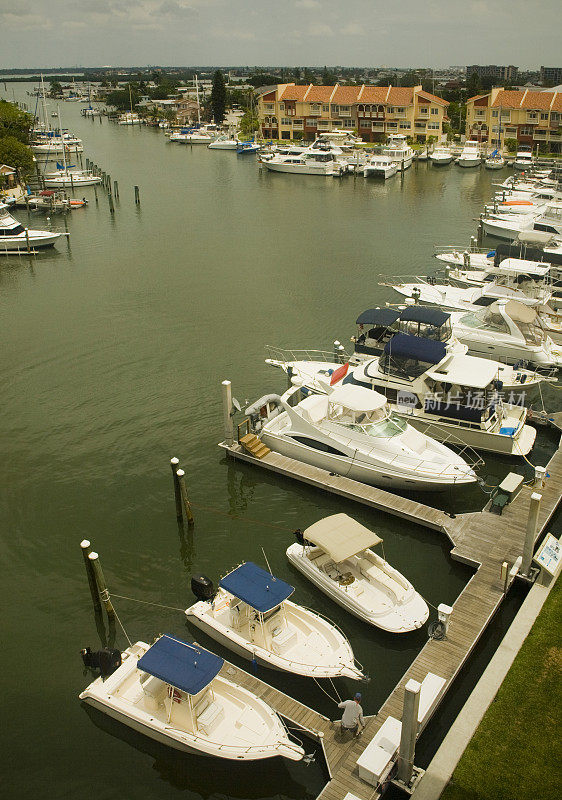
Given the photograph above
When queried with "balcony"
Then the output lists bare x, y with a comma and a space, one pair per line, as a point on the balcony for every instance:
378, 127
543, 136
344, 113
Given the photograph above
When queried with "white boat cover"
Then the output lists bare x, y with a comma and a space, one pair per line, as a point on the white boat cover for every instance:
341, 536
519, 312
357, 398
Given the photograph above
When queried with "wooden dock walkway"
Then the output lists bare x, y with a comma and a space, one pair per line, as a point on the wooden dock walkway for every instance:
482, 539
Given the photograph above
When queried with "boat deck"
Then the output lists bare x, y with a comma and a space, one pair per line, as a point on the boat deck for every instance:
481, 539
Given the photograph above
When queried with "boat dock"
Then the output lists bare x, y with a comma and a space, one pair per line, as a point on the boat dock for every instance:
482, 539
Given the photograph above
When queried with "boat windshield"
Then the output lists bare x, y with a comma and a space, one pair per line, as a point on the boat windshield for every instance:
533, 334
440, 333
377, 424
486, 320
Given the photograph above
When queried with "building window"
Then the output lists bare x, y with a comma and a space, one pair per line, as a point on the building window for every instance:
365, 123
544, 115
424, 110
325, 107
391, 126
554, 116
526, 131
268, 106
285, 121
281, 106
311, 123
532, 115
314, 107
494, 112
405, 126
390, 109
435, 111
348, 123
435, 126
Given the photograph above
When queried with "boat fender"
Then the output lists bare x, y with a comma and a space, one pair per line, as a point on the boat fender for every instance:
107, 660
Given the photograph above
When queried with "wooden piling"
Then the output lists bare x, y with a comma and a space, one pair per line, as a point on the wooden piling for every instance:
184, 498
86, 550
175, 465
227, 416
409, 731
110, 199
27, 239
530, 533
137, 196
103, 591
116, 189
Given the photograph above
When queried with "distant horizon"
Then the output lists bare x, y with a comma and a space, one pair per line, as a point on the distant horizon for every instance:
264, 67
351, 34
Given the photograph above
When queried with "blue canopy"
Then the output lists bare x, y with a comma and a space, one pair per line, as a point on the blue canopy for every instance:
256, 587
424, 315
378, 316
402, 345
186, 666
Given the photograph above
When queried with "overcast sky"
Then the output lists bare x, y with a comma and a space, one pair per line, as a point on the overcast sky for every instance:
51, 33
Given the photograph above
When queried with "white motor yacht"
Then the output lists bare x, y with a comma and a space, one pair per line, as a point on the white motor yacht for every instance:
174, 692
508, 226
336, 554
14, 237
129, 118
377, 326
307, 163
509, 330
441, 156
380, 166
452, 398
252, 615
225, 143
354, 432
399, 151
523, 158
470, 155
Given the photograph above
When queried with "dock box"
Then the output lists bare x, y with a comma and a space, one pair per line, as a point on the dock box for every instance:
377, 758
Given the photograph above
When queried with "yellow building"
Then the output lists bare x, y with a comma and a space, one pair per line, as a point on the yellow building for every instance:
531, 117
374, 112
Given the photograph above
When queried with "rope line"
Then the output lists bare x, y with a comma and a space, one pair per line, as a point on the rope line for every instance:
147, 603
325, 692
122, 628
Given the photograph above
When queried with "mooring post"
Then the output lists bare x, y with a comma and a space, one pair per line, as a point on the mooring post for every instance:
110, 200
184, 498
504, 576
103, 591
530, 534
137, 196
226, 408
409, 731
116, 189
27, 239
337, 346
175, 465
86, 550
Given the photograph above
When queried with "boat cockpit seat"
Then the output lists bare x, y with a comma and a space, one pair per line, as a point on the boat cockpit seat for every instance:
314, 555
154, 691
372, 572
208, 713
314, 408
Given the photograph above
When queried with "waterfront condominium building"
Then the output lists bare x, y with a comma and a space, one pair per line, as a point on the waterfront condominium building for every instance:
494, 71
531, 117
551, 75
287, 111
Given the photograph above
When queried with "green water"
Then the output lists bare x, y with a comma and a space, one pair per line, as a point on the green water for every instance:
114, 347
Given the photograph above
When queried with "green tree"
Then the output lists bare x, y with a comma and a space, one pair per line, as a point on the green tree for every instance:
55, 89
308, 75
473, 83
14, 122
16, 154
249, 124
218, 97
296, 75
121, 100
510, 145
328, 77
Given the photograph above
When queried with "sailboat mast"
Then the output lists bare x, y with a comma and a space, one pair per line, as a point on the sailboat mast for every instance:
62, 139
197, 97
44, 103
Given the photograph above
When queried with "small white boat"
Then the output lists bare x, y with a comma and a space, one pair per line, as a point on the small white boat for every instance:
14, 237
225, 143
380, 166
307, 163
495, 161
251, 614
335, 554
172, 692
129, 118
441, 156
353, 431
70, 178
523, 158
470, 155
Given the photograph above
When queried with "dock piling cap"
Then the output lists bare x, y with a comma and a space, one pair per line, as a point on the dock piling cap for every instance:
341, 536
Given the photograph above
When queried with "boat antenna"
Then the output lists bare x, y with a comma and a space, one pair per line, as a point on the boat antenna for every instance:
267, 562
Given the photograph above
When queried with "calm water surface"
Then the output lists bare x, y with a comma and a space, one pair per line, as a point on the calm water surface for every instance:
114, 347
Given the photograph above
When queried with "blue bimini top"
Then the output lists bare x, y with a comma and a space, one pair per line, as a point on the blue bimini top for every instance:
405, 346
256, 587
186, 666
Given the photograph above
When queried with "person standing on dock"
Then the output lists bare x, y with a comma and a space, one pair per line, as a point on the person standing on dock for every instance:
352, 716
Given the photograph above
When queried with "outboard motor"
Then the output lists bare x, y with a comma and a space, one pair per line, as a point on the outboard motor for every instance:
107, 660
202, 587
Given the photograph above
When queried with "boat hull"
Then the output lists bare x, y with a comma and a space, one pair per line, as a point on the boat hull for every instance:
20, 243
469, 162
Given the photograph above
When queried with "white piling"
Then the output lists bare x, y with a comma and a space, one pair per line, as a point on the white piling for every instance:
409, 731
227, 408
531, 533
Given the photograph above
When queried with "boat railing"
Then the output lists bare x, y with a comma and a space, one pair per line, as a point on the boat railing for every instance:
337, 627
288, 355
460, 249
400, 280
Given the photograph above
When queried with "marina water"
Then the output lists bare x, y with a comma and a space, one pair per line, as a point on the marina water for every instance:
114, 347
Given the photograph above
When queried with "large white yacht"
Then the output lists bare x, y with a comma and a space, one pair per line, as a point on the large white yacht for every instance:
380, 166
470, 155
14, 237
308, 162
251, 614
523, 157
441, 156
508, 226
354, 432
399, 151
336, 554
443, 395
70, 178
174, 692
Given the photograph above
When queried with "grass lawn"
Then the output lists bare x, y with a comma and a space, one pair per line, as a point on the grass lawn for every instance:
515, 753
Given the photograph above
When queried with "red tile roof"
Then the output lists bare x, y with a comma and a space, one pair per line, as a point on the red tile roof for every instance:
507, 99
401, 96
538, 100
373, 94
319, 94
346, 94
295, 92
477, 97
557, 102
433, 98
